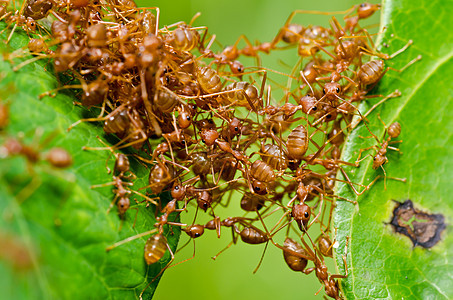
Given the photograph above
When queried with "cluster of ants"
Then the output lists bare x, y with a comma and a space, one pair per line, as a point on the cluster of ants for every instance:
216, 131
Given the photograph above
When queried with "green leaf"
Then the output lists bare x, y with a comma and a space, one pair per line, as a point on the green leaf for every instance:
382, 263
53, 217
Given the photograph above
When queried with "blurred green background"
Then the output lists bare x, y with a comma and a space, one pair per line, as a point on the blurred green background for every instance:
230, 276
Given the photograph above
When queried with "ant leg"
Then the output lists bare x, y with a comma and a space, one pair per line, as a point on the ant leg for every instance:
351, 184
299, 11
112, 204
224, 249
407, 65
261, 260
103, 185
187, 259
395, 149
344, 261
395, 94
319, 290
410, 42
319, 212
146, 197
29, 189
357, 162
129, 239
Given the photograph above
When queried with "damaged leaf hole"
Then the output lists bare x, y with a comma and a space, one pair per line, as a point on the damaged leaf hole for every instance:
422, 228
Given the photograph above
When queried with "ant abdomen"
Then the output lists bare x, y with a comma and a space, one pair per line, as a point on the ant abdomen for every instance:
297, 142
253, 236
371, 71
274, 157
294, 262
155, 248
251, 202
209, 80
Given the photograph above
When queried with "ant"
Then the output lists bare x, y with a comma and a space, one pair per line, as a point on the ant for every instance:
380, 158
57, 157
297, 257
122, 176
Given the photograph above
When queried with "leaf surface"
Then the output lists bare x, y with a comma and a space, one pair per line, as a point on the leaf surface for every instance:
54, 217
383, 263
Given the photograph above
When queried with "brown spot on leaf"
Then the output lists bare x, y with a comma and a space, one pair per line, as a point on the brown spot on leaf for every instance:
422, 228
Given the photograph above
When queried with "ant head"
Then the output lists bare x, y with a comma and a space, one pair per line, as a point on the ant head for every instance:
259, 187
330, 113
184, 119
308, 104
123, 205
301, 213
251, 202
209, 136
236, 67
194, 231
178, 191
294, 164
204, 200
332, 90
365, 10
378, 161
235, 126
205, 124
203, 205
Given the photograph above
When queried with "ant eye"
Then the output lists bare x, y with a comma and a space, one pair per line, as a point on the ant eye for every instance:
188, 118
177, 187
329, 116
324, 91
257, 188
197, 234
240, 69
314, 108
236, 129
362, 5
306, 215
338, 90
203, 141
